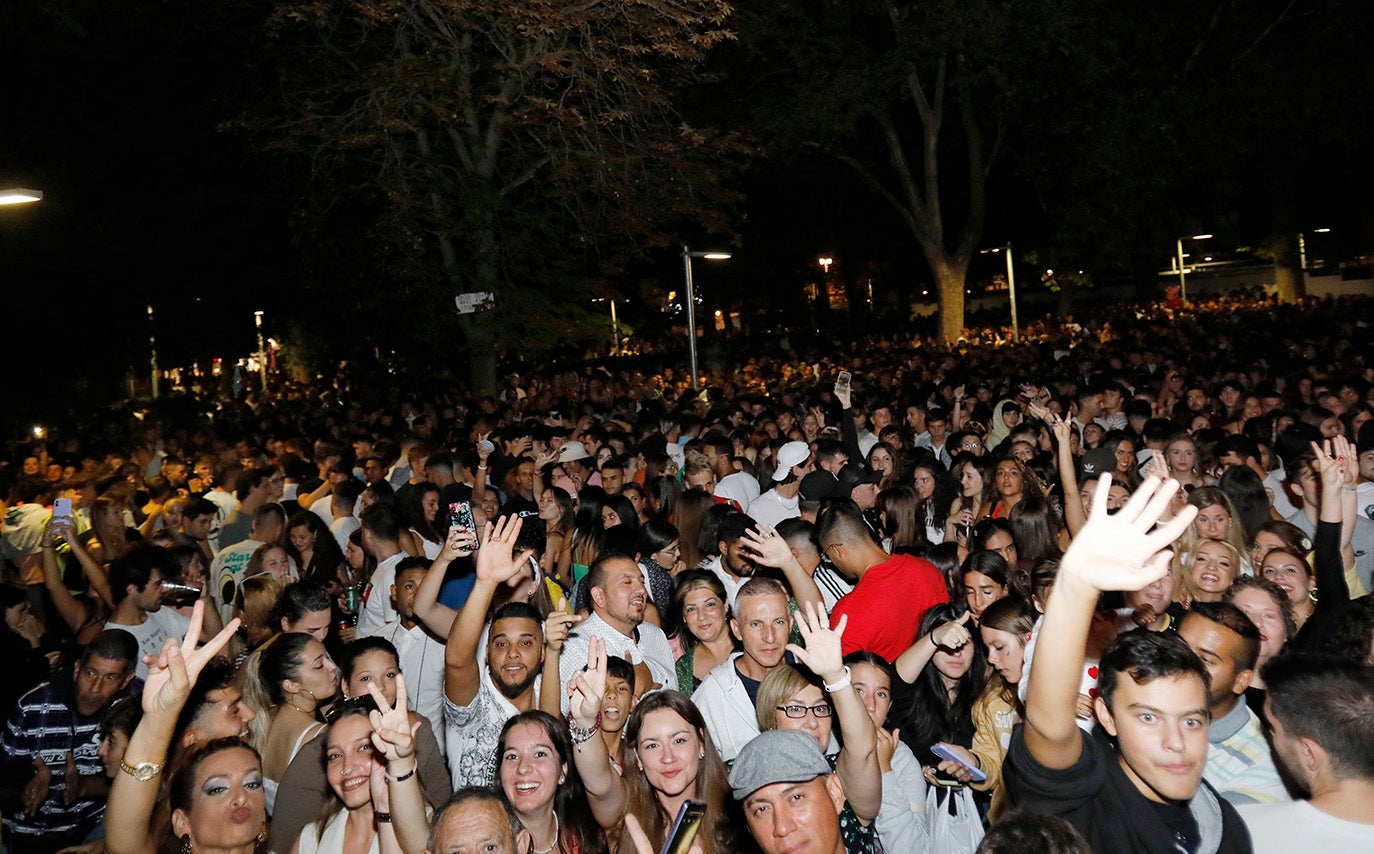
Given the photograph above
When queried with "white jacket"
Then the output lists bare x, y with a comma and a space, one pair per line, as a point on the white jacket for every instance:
729, 713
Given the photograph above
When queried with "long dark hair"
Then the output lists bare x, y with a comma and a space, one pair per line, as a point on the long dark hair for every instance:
936, 507
413, 513
579, 830
923, 710
325, 558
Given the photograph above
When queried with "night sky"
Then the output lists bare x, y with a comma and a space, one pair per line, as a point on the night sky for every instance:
117, 112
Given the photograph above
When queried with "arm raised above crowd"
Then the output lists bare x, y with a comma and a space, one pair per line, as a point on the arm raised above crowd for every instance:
858, 766
436, 617
605, 788
1123, 551
766, 548
165, 692
497, 563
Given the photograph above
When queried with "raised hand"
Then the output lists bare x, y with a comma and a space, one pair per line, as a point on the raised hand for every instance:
559, 625
174, 671
766, 548
1347, 461
954, 634
497, 560
586, 689
1125, 551
823, 655
392, 732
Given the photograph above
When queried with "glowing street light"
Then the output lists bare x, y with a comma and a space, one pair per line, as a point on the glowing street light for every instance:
19, 196
687, 256
1182, 278
262, 350
1011, 287
825, 262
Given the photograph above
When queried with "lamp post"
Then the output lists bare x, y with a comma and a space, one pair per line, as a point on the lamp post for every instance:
262, 349
152, 350
1011, 286
687, 256
1182, 278
19, 196
1302, 247
615, 325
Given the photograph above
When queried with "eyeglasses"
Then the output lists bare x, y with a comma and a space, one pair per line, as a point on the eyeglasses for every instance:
797, 712
825, 550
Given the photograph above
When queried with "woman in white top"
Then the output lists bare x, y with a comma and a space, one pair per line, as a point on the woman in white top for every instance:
285, 683
425, 529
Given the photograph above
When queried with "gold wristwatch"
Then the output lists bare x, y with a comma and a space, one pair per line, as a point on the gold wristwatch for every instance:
143, 771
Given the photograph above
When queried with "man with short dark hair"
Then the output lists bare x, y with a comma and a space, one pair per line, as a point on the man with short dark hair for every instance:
215, 708
198, 518
381, 527
1239, 766
735, 564
618, 599
55, 732
254, 489
136, 587
1322, 716
737, 486
891, 593
1146, 793
228, 567
419, 652
478, 700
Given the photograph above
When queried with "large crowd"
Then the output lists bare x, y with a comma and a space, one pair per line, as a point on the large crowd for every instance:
1100, 589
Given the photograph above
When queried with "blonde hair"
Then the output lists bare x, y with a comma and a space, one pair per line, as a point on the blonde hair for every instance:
785, 681
1187, 591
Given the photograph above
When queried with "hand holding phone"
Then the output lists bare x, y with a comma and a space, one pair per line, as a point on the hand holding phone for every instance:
684, 830
460, 517
944, 752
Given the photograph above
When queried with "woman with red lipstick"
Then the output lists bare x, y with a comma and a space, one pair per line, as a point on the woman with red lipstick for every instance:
215, 796
540, 783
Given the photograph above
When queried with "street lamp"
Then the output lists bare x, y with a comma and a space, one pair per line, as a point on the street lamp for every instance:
1302, 247
152, 350
262, 349
1011, 287
615, 325
19, 196
825, 261
687, 256
1182, 279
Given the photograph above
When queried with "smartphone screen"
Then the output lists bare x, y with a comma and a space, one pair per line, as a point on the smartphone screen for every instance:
842, 383
685, 827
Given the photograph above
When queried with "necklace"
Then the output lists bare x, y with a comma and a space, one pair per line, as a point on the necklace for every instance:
554, 844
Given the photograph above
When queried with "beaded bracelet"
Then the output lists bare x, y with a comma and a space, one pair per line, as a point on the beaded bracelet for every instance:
580, 735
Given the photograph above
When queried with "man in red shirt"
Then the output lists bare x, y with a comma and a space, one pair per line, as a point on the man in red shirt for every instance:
892, 592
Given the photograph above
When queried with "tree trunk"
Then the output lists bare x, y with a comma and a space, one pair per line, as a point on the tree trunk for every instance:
950, 276
1288, 272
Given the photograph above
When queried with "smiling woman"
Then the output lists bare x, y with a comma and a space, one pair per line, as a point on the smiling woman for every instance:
540, 783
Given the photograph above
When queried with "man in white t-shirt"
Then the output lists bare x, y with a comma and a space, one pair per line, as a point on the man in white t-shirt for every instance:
783, 501
136, 585
1321, 715
381, 527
